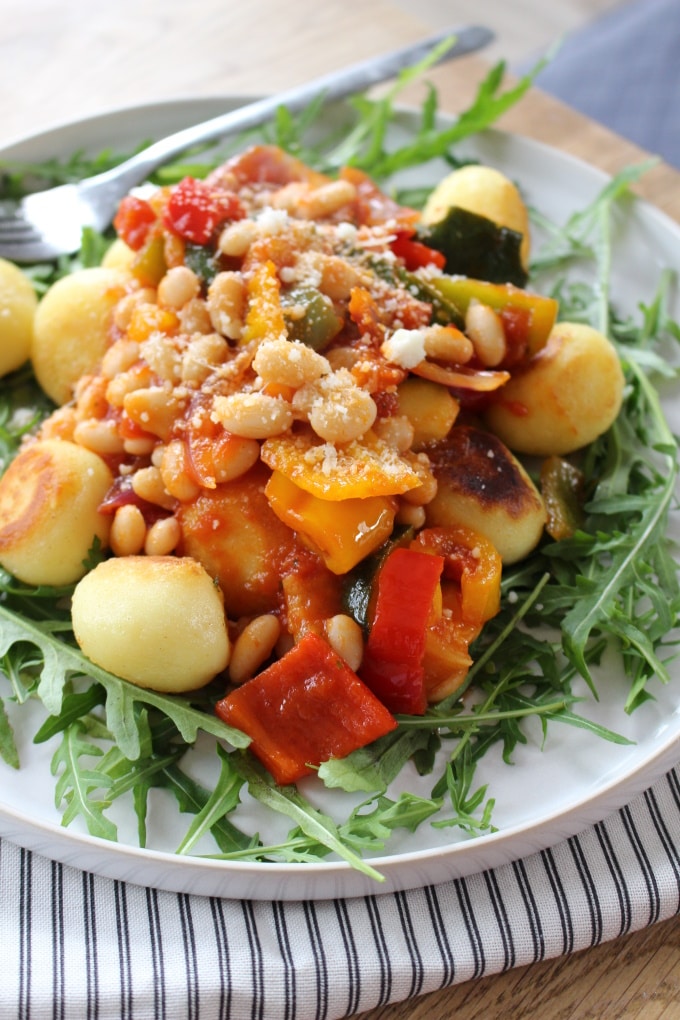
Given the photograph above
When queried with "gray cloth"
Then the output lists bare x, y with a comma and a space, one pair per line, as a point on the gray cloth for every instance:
623, 70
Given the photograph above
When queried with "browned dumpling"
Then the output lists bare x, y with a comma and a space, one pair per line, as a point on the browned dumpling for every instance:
482, 485
49, 511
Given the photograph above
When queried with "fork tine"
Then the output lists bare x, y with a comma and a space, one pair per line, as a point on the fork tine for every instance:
11, 218
16, 231
14, 228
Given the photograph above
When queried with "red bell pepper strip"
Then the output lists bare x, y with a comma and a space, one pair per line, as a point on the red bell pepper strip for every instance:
305, 708
393, 659
134, 221
415, 254
473, 562
195, 209
372, 206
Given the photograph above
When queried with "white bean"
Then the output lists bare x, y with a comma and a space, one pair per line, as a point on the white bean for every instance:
252, 415
253, 646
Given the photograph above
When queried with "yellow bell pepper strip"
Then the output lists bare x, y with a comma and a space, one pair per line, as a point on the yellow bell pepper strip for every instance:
149, 266
264, 318
562, 488
359, 469
149, 319
527, 317
471, 596
343, 533
407, 587
447, 661
304, 709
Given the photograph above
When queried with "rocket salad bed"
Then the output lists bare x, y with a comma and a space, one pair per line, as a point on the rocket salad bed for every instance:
613, 580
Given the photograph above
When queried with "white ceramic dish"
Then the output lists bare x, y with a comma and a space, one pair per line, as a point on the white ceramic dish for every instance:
549, 794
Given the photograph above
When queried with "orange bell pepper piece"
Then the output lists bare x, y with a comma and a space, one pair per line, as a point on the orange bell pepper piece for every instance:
360, 469
264, 318
343, 532
473, 562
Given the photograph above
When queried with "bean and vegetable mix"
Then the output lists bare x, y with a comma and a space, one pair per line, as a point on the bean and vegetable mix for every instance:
342, 479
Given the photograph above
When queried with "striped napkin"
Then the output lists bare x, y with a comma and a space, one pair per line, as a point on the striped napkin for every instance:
78, 947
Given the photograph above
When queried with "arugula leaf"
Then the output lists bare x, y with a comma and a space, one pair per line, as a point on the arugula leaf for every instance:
459, 776
8, 747
76, 782
373, 768
287, 800
73, 707
409, 811
62, 661
432, 142
223, 799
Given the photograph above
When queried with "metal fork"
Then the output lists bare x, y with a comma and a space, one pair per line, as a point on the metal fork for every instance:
46, 224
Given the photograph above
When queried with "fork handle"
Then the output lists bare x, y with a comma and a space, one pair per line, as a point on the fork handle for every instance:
334, 86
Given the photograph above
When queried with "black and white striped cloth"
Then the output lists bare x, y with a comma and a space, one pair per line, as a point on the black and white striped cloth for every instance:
79, 947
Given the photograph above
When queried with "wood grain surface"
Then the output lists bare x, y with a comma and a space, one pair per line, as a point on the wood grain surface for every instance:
59, 62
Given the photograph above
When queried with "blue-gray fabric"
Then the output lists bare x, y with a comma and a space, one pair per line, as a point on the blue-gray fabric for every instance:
623, 70
78, 947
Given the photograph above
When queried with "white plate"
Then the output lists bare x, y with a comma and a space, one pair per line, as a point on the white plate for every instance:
548, 794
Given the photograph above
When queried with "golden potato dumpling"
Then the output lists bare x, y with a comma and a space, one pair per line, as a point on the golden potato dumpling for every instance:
157, 621
49, 518
568, 394
480, 484
71, 329
487, 192
118, 256
18, 303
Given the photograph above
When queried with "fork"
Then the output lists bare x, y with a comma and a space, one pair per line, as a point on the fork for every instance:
46, 224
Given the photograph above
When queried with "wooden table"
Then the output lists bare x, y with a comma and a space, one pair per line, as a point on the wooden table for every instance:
62, 61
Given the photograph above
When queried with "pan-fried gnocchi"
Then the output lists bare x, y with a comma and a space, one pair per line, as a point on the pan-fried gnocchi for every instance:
481, 483
72, 328
252, 401
17, 312
49, 511
487, 192
567, 395
157, 621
